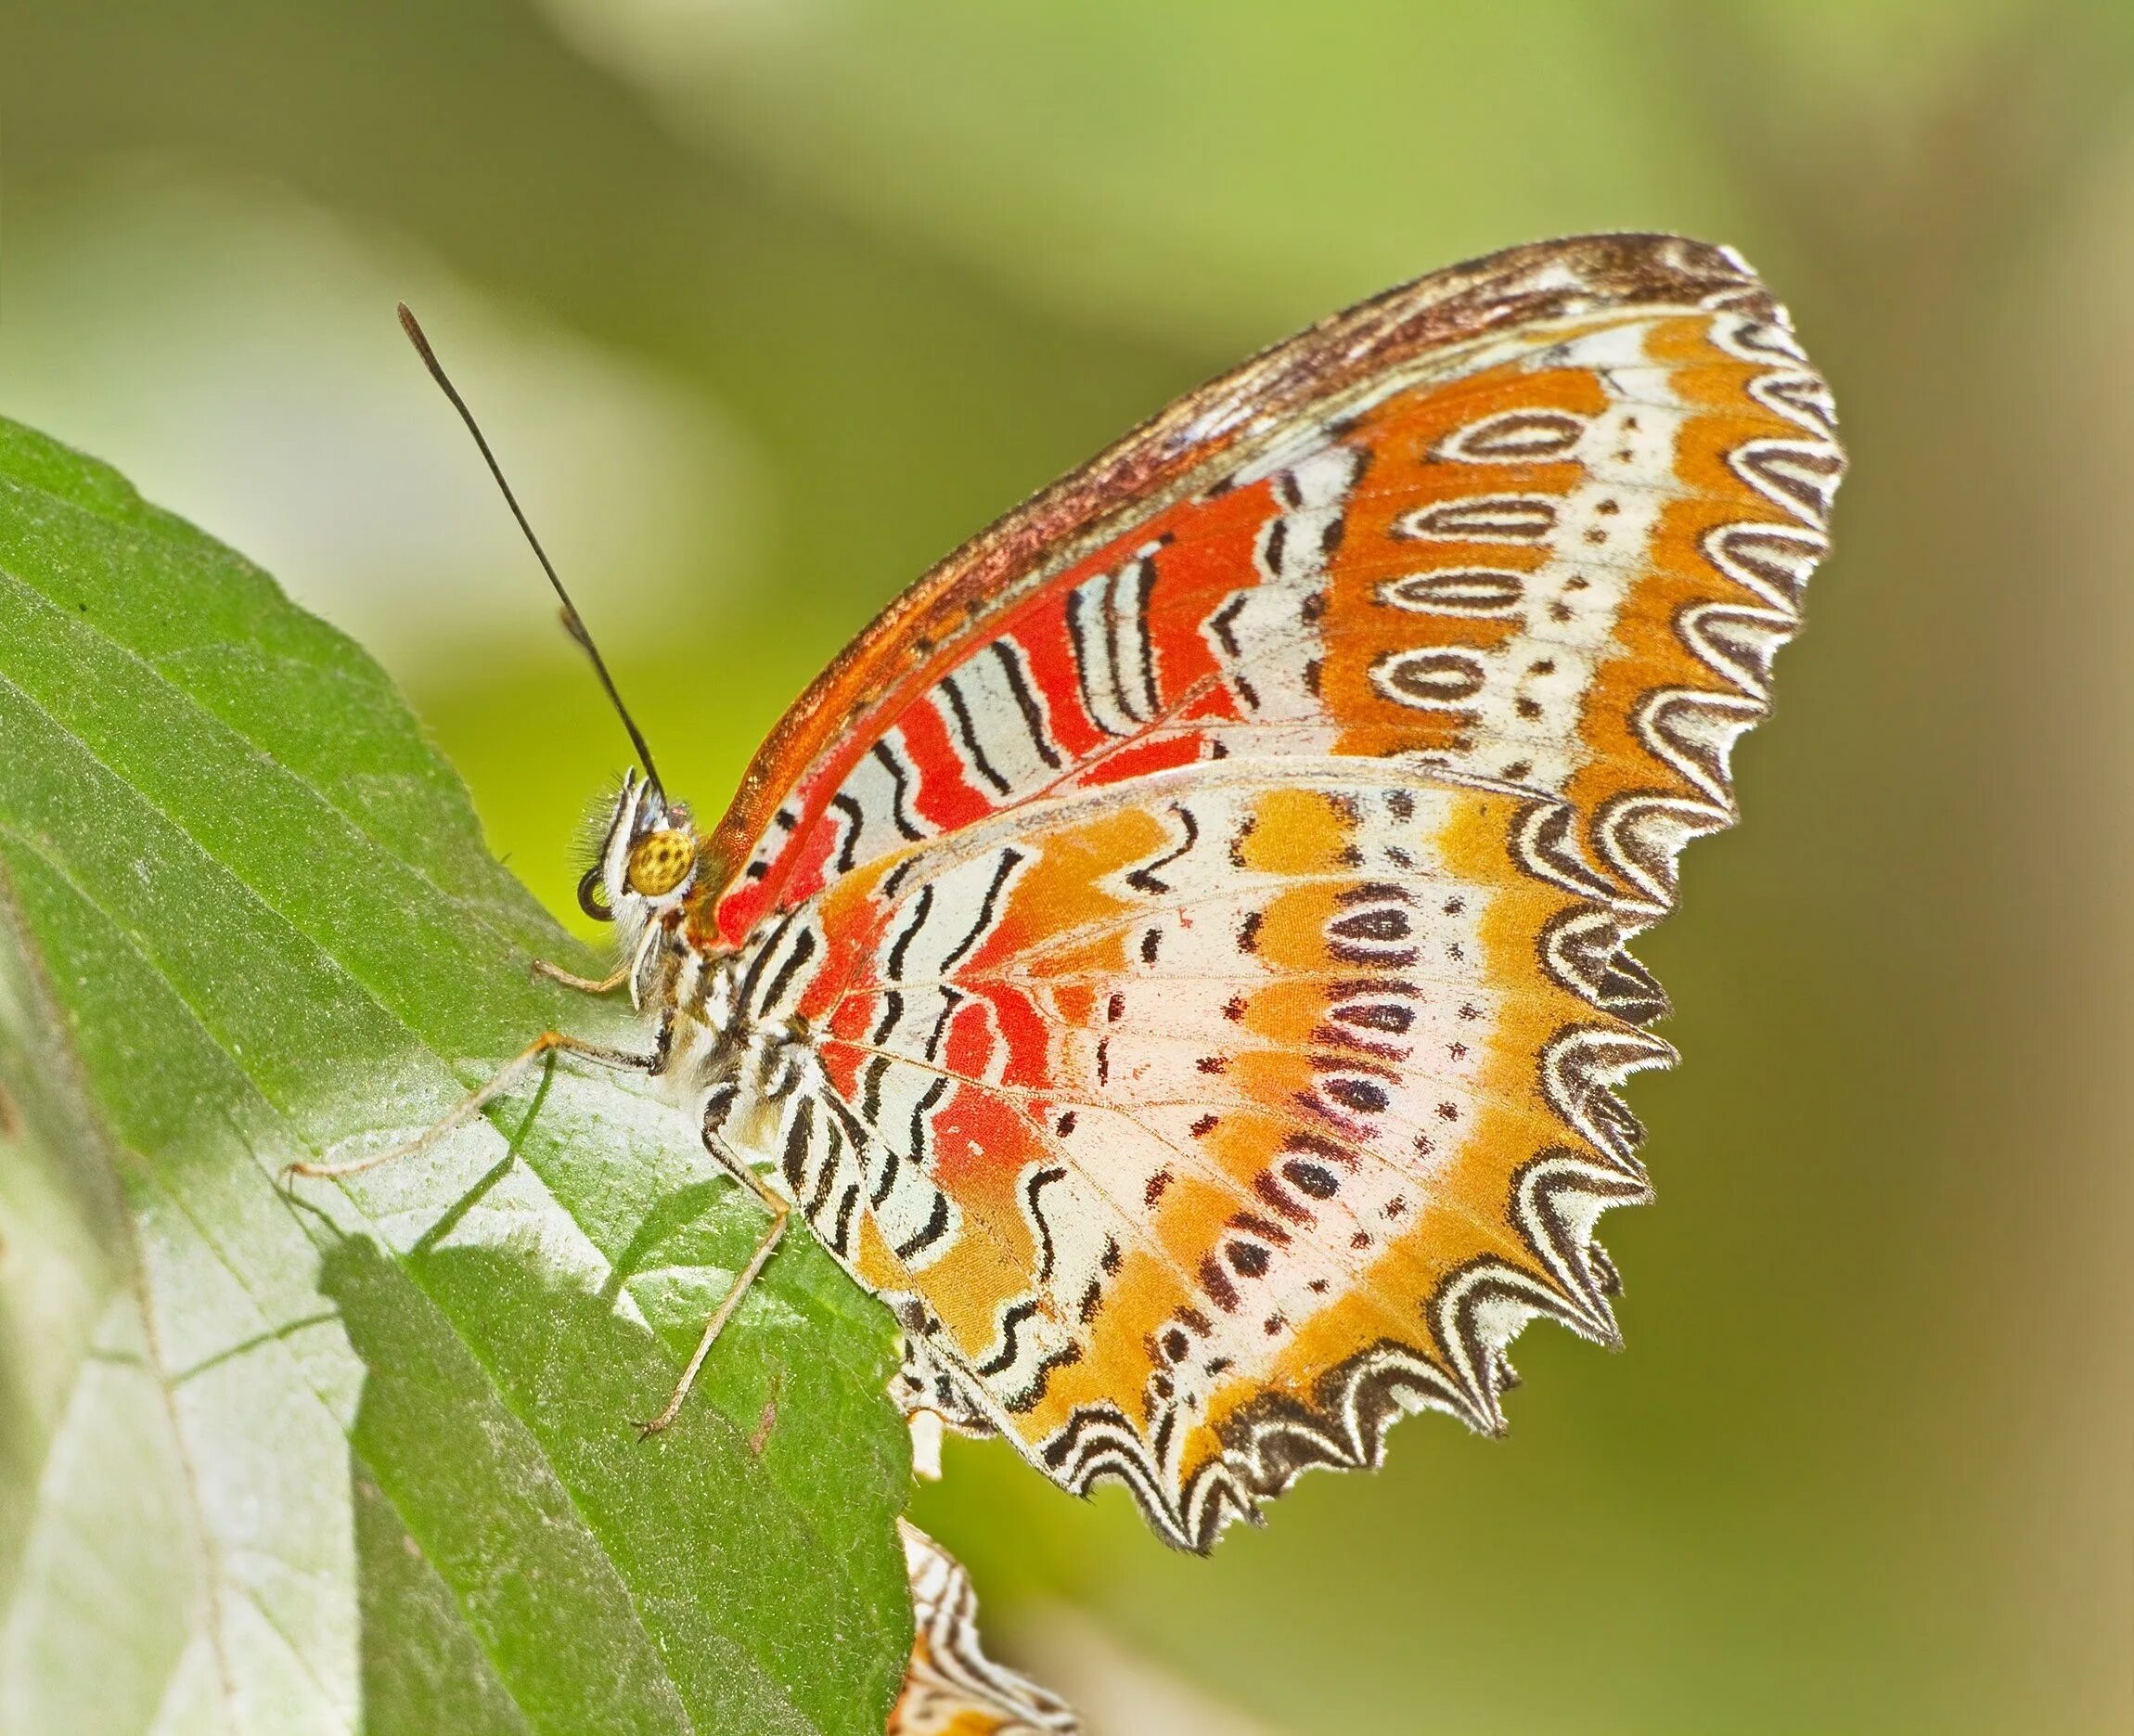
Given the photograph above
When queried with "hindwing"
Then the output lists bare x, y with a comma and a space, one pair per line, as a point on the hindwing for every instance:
1206, 1123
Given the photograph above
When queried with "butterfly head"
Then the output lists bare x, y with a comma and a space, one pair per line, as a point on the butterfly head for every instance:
648, 857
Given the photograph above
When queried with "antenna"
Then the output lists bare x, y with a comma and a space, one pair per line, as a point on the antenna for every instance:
572, 623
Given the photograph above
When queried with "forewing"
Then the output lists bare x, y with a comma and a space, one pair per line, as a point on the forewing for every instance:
1543, 518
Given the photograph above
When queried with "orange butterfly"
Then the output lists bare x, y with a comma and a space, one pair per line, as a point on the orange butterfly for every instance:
1176, 954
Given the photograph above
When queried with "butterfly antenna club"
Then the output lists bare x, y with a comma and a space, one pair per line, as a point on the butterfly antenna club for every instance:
573, 623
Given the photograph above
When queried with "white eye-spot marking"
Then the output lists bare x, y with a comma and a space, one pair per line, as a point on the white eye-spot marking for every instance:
1429, 679
1457, 591
1515, 437
1483, 519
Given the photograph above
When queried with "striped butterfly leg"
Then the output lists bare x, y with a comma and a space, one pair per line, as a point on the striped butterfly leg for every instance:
474, 1102
780, 1212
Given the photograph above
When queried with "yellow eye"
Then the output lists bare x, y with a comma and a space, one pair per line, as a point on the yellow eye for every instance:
660, 862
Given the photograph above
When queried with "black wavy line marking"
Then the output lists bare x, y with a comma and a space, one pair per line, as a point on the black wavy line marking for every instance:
1010, 659
1010, 1319
802, 950
1010, 859
848, 805
967, 732
1145, 879
936, 1227
922, 907
744, 995
1043, 1178
900, 775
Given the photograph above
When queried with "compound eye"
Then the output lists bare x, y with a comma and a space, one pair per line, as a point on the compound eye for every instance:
660, 862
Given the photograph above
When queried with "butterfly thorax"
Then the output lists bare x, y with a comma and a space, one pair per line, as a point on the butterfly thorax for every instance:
710, 1040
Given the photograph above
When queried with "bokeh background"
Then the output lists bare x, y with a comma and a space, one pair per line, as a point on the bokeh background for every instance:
770, 302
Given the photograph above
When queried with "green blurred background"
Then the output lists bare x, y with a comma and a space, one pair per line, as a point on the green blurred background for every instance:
769, 303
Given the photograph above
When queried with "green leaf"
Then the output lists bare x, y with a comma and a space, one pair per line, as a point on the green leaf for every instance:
360, 1453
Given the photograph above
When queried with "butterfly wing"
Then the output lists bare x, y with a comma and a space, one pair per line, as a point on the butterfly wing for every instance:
952, 1688
1206, 893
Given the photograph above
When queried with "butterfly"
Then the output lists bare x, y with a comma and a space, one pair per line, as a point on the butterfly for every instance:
1177, 956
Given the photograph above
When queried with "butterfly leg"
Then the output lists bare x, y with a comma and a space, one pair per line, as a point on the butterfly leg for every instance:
601, 984
507, 1075
584, 984
780, 1212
